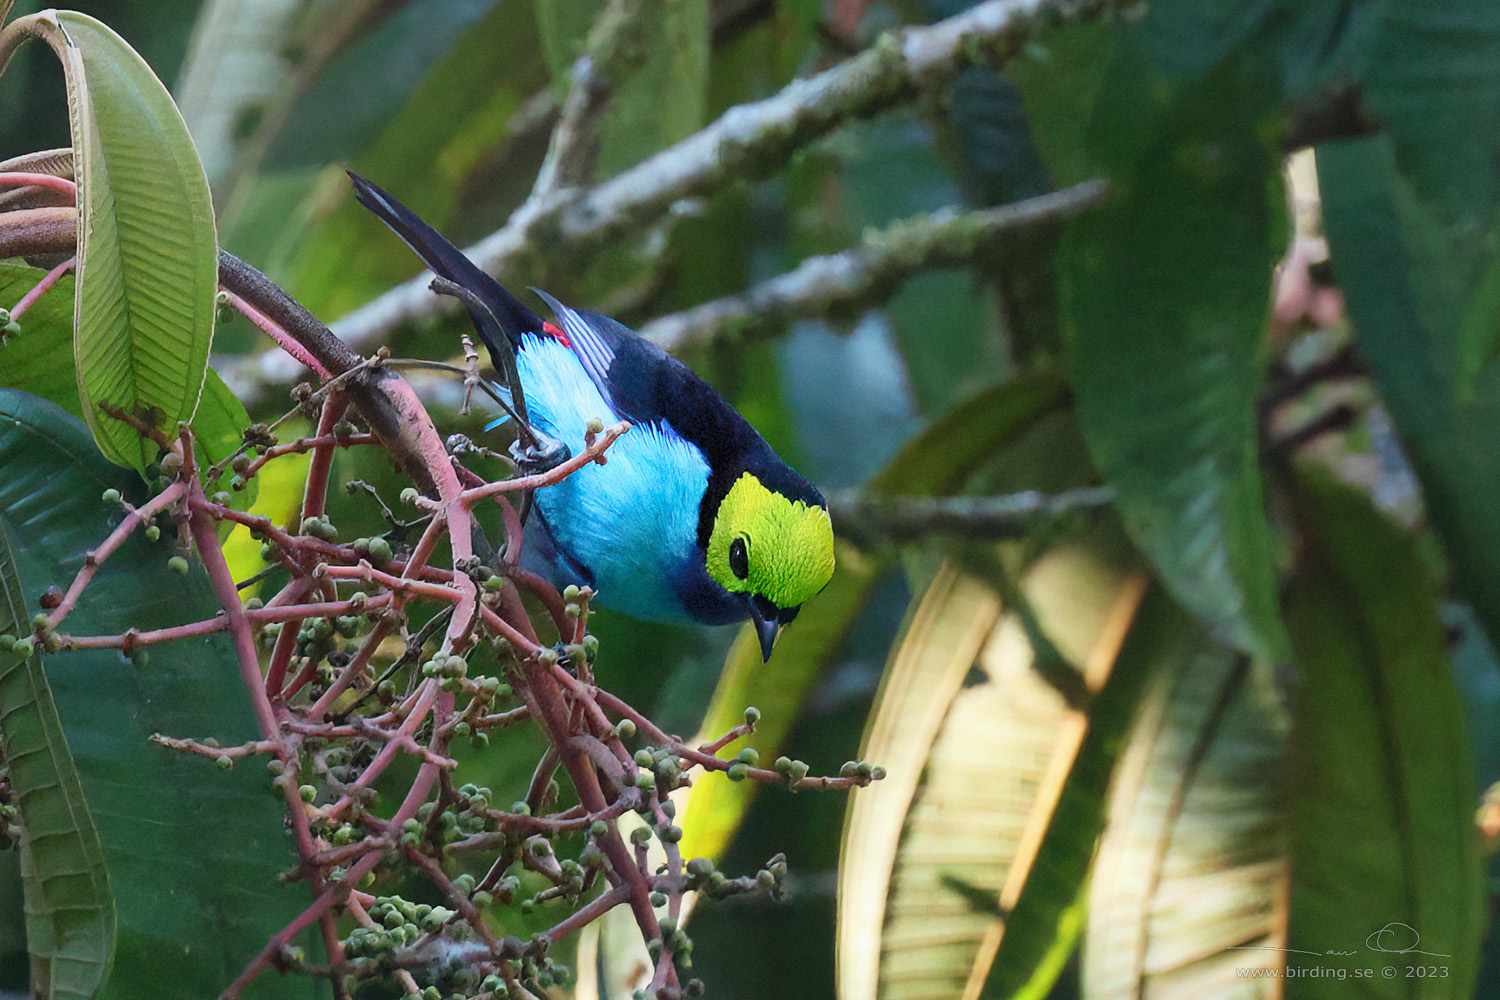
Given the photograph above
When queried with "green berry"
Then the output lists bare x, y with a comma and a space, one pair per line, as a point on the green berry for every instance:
152, 533
625, 729
307, 793
111, 496
598, 828
380, 553
737, 771
177, 564
224, 761
409, 495
750, 756
594, 426
752, 716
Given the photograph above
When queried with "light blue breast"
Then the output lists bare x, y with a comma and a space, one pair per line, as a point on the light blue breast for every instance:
633, 521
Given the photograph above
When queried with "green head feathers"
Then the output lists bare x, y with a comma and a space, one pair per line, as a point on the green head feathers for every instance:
764, 543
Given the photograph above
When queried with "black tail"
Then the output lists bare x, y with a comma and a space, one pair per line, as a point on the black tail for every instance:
490, 303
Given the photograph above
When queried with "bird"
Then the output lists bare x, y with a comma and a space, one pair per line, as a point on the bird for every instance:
694, 518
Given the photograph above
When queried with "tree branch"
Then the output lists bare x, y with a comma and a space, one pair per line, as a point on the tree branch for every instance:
747, 142
867, 274
871, 521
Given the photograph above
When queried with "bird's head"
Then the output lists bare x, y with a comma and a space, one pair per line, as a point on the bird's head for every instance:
774, 550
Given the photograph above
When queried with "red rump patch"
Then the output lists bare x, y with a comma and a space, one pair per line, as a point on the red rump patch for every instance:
552, 330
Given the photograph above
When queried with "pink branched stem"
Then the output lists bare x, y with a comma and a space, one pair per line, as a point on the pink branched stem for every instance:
308, 444
135, 517
508, 632
42, 287
593, 453
327, 609
460, 900
315, 491
25, 178
207, 542
426, 695
351, 672
277, 333
131, 638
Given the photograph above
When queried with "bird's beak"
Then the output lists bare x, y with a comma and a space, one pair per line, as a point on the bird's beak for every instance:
767, 628
768, 631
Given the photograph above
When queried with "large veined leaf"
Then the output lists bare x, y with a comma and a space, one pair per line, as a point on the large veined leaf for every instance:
1041, 930
70, 918
147, 254
1188, 895
194, 890
1379, 735
35, 361
1166, 295
978, 747
1413, 221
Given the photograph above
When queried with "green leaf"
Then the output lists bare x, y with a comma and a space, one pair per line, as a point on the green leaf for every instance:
37, 360
431, 140
563, 26
147, 254
665, 97
1379, 735
1189, 884
1413, 222
968, 437
1166, 292
70, 917
220, 428
195, 891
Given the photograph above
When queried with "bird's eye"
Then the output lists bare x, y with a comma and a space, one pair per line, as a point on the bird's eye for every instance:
739, 558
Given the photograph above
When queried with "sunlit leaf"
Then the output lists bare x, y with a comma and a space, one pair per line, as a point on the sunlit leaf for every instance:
978, 746
778, 688
1189, 886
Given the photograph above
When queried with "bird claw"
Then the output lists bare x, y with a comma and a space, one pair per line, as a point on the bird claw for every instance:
543, 456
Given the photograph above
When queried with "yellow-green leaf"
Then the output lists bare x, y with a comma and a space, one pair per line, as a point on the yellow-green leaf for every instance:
147, 252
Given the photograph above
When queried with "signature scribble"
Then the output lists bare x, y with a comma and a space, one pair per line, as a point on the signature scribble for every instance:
1395, 938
